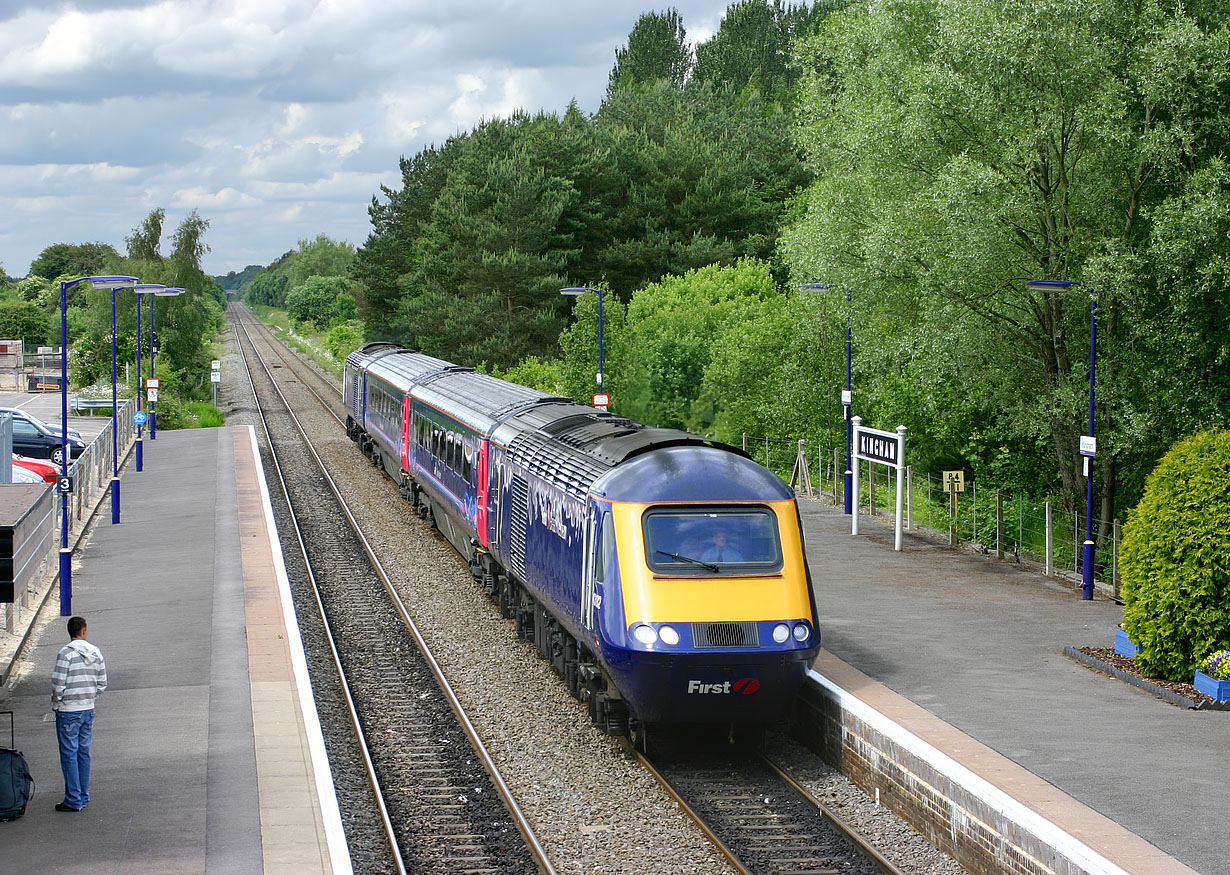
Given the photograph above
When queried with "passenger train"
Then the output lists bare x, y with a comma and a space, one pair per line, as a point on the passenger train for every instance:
662, 574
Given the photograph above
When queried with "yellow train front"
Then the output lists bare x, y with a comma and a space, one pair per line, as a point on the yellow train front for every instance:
698, 597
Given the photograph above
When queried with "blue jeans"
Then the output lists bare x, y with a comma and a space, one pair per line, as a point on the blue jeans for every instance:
75, 730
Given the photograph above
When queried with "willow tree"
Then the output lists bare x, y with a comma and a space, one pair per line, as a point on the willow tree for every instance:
961, 147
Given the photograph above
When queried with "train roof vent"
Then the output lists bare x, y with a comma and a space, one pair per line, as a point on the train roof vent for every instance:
617, 447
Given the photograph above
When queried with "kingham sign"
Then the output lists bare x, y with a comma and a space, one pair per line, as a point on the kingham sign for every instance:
883, 448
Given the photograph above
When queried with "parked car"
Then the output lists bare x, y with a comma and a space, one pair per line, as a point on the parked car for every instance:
34, 440
17, 413
46, 470
21, 475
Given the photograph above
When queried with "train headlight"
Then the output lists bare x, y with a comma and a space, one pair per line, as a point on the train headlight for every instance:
669, 635
781, 633
644, 634
801, 632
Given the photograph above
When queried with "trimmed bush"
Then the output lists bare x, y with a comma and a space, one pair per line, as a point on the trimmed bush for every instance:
1176, 559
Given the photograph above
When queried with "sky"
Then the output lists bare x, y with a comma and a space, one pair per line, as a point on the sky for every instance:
276, 121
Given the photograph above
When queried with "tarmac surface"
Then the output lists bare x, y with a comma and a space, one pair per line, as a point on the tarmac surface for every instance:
979, 643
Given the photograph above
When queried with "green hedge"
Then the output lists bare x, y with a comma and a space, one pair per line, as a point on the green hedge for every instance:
1176, 559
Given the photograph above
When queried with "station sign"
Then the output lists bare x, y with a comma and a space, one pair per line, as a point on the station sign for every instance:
602, 400
879, 446
1089, 445
153, 383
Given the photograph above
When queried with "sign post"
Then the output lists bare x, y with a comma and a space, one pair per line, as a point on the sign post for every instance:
954, 482
885, 448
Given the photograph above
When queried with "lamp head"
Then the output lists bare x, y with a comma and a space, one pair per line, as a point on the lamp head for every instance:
112, 282
171, 292
1051, 284
148, 288
577, 291
821, 287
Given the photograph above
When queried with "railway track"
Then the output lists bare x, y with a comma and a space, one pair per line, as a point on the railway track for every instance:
441, 802
758, 821
761, 819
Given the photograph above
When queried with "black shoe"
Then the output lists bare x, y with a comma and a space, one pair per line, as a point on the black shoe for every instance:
60, 806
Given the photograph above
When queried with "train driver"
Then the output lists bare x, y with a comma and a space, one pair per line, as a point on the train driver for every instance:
720, 550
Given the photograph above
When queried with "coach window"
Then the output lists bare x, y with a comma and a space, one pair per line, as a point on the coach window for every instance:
468, 466
604, 550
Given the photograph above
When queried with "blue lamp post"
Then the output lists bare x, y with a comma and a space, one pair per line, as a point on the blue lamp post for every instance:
1088, 444
576, 293
140, 289
153, 349
65, 486
846, 397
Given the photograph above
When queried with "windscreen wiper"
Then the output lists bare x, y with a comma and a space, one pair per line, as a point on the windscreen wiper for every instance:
708, 565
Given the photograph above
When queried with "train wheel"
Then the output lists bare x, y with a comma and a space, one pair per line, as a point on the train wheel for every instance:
638, 732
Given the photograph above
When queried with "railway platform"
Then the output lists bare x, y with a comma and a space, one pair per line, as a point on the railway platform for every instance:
207, 754
964, 656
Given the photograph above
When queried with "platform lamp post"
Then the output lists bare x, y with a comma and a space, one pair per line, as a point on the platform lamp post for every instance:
847, 397
140, 289
576, 293
1088, 443
153, 349
65, 484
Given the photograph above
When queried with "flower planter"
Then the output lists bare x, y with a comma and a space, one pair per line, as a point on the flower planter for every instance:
1124, 645
1212, 687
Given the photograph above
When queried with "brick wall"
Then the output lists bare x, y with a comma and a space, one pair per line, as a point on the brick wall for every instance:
955, 810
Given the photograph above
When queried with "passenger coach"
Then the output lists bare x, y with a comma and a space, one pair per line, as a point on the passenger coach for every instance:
662, 574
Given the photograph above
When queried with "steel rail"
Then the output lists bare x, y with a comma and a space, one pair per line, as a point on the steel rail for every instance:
831, 816
489, 765
826, 814
689, 811
360, 737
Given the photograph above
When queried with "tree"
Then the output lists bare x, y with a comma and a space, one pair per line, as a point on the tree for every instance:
382, 266
960, 147
146, 240
486, 286
752, 47
657, 50
314, 300
26, 320
73, 260
1176, 559
703, 179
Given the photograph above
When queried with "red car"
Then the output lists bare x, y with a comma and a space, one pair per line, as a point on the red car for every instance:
41, 467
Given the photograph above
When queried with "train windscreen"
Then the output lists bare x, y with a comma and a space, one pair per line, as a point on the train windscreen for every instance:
738, 540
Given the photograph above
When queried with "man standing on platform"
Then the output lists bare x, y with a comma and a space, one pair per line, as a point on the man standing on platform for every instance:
79, 676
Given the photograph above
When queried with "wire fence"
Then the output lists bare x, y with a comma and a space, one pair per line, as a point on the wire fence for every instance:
1016, 528
91, 473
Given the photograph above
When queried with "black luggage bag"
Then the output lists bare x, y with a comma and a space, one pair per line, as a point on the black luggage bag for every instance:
16, 785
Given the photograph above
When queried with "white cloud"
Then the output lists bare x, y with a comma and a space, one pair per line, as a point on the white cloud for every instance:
276, 119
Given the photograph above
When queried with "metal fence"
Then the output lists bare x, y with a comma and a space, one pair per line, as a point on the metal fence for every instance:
1014, 527
91, 473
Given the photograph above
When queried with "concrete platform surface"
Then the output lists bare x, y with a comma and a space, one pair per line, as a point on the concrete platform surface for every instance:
207, 754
